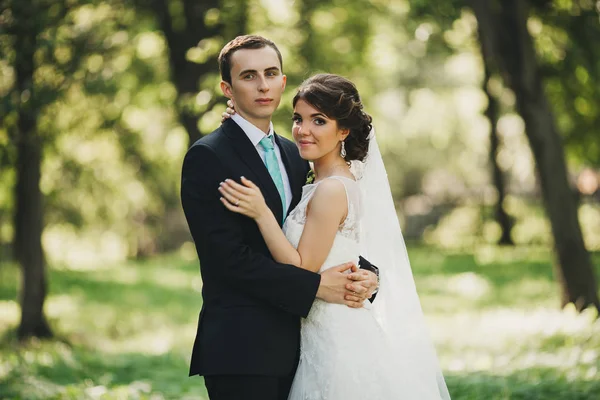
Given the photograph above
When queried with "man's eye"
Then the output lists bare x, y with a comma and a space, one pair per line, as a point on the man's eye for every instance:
249, 76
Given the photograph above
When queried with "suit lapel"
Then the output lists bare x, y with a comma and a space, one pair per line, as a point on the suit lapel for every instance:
250, 157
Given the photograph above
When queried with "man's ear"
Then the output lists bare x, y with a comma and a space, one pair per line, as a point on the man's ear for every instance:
226, 89
284, 82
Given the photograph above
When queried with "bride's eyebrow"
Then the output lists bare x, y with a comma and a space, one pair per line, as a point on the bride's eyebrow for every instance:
312, 115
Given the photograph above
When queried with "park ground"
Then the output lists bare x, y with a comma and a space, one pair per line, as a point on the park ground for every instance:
125, 330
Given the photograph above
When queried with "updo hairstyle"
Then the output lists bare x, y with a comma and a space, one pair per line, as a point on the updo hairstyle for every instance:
338, 98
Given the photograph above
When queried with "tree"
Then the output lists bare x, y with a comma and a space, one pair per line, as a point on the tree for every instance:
29, 210
189, 24
492, 113
508, 46
40, 79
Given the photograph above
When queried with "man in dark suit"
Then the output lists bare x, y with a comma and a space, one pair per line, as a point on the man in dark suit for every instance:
247, 343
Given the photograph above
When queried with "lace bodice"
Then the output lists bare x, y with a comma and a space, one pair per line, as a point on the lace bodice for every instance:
345, 245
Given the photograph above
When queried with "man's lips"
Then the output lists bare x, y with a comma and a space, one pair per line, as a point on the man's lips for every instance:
263, 101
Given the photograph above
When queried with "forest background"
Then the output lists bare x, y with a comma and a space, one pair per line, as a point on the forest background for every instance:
488, 114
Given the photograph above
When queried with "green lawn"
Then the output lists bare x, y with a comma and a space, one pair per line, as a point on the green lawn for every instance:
125, 331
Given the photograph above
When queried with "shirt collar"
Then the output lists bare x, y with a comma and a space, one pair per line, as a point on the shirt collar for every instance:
254, 134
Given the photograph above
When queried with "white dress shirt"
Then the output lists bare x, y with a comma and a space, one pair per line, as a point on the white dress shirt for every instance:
256, 135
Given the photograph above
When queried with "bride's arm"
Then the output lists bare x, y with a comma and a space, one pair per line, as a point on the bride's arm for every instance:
327, 209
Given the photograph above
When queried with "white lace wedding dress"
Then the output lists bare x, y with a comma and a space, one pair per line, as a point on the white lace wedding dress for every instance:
343, 350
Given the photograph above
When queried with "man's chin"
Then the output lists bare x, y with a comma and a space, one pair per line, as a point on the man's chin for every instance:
264, 113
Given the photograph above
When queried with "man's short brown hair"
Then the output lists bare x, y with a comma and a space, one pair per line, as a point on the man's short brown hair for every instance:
239, 43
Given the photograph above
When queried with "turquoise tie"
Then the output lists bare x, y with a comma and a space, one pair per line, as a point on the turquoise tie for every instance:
273, 167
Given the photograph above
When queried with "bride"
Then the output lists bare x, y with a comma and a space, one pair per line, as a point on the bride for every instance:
347, 211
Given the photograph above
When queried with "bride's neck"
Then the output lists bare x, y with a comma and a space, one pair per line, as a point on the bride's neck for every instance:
332, 164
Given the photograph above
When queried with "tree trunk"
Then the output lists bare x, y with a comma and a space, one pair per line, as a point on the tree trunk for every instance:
29, 210
500, 214
187, 75
503, 30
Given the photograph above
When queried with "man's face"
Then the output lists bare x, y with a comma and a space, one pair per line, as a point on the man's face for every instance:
256, 83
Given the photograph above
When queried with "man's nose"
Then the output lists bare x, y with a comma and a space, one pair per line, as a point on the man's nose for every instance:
263, 86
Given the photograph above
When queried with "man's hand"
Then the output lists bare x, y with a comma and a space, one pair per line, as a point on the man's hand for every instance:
333, 287
363, 285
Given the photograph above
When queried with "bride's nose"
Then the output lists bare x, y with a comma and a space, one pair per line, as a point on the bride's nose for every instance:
301, 130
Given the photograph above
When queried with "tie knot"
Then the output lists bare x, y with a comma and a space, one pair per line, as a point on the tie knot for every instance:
267, 143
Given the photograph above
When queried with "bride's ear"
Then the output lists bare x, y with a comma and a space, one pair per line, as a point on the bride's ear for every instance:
344, 132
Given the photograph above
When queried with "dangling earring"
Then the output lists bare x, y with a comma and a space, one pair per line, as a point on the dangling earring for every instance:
343, 151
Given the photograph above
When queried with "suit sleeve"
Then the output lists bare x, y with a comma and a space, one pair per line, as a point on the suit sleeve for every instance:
216, 232
366, 265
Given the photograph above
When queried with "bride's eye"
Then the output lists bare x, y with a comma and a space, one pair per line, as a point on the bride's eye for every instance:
320, 121
296, 119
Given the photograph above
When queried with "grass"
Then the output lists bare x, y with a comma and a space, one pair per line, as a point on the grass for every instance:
125, 331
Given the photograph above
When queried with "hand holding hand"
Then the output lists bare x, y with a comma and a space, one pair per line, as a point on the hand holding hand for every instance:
245, 199
363, 284
229, 111
333, 286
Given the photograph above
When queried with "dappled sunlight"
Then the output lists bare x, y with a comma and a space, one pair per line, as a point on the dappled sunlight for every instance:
589, 215
509, 340
60, 305
121, 321
488, 255
159, 340
465, 67
281, 10
174, 279
469, 285
187, 251
493, 314
150, 45
67, 246
113, 93
10, 313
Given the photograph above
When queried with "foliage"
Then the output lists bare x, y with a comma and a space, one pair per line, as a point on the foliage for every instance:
571, 64
570, 61
114, 144
111, 145
467, 226
127, 329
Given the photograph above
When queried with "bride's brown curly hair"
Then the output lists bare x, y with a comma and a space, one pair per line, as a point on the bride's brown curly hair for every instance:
338, 98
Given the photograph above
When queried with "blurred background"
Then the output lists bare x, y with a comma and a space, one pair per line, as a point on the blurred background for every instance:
488, 114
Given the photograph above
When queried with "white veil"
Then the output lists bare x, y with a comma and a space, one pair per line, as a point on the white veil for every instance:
397, 307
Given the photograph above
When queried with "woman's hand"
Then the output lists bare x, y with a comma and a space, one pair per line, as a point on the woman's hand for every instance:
229, 111
243, 199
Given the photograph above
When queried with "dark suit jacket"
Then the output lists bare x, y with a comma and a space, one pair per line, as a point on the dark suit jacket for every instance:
250, 318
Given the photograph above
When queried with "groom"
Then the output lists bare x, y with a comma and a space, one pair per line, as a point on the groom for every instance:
247, 342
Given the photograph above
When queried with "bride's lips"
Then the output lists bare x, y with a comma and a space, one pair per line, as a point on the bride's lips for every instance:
264, 101
305, 143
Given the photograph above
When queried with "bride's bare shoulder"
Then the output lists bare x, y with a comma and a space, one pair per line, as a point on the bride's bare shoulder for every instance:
329, 197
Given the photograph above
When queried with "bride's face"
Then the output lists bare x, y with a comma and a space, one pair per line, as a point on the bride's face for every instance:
316, 135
